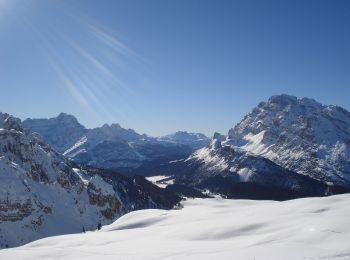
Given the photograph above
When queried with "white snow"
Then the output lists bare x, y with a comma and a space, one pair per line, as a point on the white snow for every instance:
161, 181
245, 173
210, 158
255, 143
80, 174
305, 229
80, 142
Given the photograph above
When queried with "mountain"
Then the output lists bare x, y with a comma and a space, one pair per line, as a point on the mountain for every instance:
42, 193
301, 135
285, 148
211, 229
112, 146
234, 173
195, 140
60, 132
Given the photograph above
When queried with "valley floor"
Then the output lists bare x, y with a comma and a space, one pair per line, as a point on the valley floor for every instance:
311, 228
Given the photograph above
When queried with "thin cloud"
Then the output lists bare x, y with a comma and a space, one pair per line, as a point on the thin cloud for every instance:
112, 41
96, 98
98, 66
73, 89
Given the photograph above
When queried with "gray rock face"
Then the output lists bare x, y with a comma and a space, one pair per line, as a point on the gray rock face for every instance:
9, 122
42, 193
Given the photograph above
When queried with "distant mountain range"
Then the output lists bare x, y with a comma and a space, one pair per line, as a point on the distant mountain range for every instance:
42, 193
112, 146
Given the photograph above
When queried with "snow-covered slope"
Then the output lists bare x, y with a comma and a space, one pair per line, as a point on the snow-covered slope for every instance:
310, 228
42, 193
237, 174
299, 134
109, 146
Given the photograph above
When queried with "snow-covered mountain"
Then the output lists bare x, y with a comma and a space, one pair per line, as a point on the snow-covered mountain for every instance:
195, 140
60, 132
112, 146
301, 135
308, 228
235, 173
42, 193
285, 148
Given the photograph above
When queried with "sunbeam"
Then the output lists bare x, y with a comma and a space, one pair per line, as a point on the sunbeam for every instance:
91, 65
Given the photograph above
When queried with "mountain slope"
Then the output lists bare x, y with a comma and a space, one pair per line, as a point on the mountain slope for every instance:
237, 174
43, 194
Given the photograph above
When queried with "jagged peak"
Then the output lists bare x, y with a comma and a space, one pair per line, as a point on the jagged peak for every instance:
114, 127
8, 122
61, 118
285, 100
111, 126
67, 118
282, 100
219, 137
63, 115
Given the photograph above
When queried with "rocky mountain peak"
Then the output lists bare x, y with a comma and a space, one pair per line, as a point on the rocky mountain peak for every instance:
219, 137
111, 126
299, 134
9, 122
67, 119
290, 103
282, 100
60, 132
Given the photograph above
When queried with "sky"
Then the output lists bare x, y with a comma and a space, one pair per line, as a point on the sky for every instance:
163, 66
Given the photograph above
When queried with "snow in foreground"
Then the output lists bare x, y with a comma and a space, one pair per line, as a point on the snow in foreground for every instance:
313, 228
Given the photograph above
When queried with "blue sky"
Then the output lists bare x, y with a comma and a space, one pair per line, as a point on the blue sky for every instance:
162, 66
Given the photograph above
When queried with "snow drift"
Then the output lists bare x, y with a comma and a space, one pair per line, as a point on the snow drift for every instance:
309, 228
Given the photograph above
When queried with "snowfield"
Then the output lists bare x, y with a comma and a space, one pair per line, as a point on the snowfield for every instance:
308, 229
161, 181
